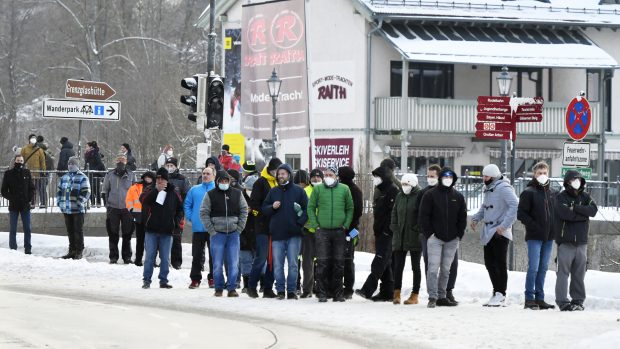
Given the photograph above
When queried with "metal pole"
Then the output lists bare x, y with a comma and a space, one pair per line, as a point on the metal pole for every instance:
602, 116
212, 35
79, 153
513, 173
403, 117
274, 121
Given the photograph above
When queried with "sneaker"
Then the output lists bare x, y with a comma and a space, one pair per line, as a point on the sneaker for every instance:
445, 302
218, 293
450, 297
252, 293
166, 285
542, 305
531, 304
306, 295
268, 294
194, 284
339, 299
361, 293
113, 261
292, 296
211, 283
146, 285
577, 306
281, 295
497, 300
233, 294
322, 299
381, 298
567, 307
432, 302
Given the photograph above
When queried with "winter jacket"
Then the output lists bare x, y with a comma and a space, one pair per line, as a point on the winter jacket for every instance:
404, 222
226, 161
115, 188
261, 188
166, 218
34, 158
247, 240
192, 203
384, 202
573, 209
223, 211
73, 193
132, 201
330, 207
498, 209
180, 183
66, 152
536, 211
94, 162
390, 173
358, 203
443, 212
49, 158
285, 221
18, 188
308, 189
131, 162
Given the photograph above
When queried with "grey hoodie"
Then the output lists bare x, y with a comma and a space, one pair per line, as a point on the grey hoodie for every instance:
499, 209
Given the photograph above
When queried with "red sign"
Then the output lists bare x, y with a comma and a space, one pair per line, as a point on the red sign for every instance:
528, 117
493, 134
524, 109
82, 89
578, 118
494, 108
494, 126
493, 100
332, 152
498, 117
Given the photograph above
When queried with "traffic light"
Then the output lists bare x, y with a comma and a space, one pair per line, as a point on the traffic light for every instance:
215, 101
196, 99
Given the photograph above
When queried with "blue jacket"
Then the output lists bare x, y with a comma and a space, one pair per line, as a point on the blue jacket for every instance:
192, 203
285, 221
73, 193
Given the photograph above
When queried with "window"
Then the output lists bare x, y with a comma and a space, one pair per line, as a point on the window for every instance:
294, 160
425, 80
593, 93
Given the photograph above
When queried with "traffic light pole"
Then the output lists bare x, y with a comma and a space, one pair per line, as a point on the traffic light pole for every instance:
212, 36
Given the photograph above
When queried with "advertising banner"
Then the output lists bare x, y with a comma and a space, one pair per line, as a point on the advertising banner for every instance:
333, 152
232, 85
332, 87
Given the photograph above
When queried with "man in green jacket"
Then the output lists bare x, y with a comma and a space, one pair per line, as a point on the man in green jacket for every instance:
330, 211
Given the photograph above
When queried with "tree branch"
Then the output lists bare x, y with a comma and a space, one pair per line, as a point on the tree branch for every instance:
62, 4
140, 38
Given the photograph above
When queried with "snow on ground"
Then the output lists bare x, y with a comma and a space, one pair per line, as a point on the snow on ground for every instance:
375, 324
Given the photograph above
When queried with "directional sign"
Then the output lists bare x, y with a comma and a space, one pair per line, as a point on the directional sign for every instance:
79, 109
498, 117
494, 126
585, 172
494, 108
529, 109
576, 154
493, 100
81, 89
578, 118
528, 117
493, 134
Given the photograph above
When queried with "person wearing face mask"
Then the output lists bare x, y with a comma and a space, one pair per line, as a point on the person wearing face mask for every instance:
346, 174
406, 238
573, 209
182, 186
115, 186
330, 212
286, 206
535, 211
261, 188
131, 161
18, 188
498, 213
200, 237
381, 266
308, 244
71, 197
442, 219
134, 205
247, 240
34, 160
224, 213
167, 152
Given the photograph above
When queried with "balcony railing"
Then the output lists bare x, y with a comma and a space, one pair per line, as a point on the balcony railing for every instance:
459, 117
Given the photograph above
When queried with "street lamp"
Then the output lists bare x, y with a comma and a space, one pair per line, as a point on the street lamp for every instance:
273, 83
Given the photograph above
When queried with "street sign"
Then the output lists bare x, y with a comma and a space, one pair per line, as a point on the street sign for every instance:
493, 100
494, 108
79, 109
576, 154
81, 89
528, 117
585, 172
497, 117
529, 109
493, 134
578, 118
494, 126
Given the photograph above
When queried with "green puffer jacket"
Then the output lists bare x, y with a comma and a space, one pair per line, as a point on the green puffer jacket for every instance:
404, 223
330, 208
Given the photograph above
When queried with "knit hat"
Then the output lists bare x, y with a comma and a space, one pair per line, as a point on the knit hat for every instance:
346, 174
172, 160
149, 174
409, 178
163, 173
332, 168
40, 139
249, 166
74, 160
273, 164
221, 175
491, 170
234, 174
63, 140
301, 176
316, 172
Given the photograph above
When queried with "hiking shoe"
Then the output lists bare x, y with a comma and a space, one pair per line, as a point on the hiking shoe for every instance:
445, 302
292, 296
268, 294
348, 294
450, 297
306, 295
211, 283
127, 261
233, 293
146, 285
252, 293
361, 293
497, 300
432, 302
322, 299
77, 255
281, 295
168, 286
339, 299
533, 305
567, 307
194, 284
138, 263
218, 293
69, 255
381, 298
577, 306
542, 305
113, 261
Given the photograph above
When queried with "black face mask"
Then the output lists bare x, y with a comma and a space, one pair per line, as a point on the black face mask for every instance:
18, 165
120, 167
488, 182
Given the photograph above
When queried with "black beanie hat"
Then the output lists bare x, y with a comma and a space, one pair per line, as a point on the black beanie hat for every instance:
163, 173
389, 163
273, 165
316, 172
149, 174
234, 174
63, 140
173, 161
346, 174
301, 176
40, 139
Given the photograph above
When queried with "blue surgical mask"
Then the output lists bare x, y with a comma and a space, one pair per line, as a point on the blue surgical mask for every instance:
223, 186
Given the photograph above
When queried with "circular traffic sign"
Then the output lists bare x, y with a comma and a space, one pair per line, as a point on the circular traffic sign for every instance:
578, 118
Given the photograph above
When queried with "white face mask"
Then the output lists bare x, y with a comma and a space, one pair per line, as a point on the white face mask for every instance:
169, 153
432, 181
376, 181
329, 181
223, 186
576, 183
314, 184
542, 179
407, 189
447, 182
33, 140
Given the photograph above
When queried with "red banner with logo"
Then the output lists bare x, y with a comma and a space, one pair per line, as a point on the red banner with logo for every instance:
332, 152
274, 36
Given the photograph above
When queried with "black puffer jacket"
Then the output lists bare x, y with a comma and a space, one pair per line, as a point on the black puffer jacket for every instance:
346, 175
65, 153
573, 209
18, 188
166, 218
443, 211
384, 202
536, 207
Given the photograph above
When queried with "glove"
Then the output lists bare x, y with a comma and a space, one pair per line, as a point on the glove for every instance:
254, 213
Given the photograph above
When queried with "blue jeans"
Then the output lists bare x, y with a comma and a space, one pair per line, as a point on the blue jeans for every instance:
245, 262
290, 249
225, 245
13, 215
538, 254
154, 243
260, 262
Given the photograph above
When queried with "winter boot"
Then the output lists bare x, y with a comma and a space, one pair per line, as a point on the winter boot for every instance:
69, 254
544, 305
77, 255
396, 298
450, 296
246, 283
413, 299
531, 305
252, 293
268, 293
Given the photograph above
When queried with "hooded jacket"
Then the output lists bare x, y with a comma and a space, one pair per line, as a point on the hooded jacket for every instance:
346, 175
536, 211
286, 222
223, 211
384, 202
166, 218
18, 188
180, 183
573, 210
66, 152
94, 162
404, 222
443, 211
498, 209
192, 204
261, 188
115, 188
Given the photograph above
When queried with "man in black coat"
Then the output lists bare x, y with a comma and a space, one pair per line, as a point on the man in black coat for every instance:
346, 175
66, 152
18, 188
182, 186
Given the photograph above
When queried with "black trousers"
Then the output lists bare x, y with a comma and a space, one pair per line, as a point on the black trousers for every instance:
199, 242
119, 217
176, 252
398, 259
139, 241
330, 257
454, 267
349, 266
495, 253
381, 268
74, 223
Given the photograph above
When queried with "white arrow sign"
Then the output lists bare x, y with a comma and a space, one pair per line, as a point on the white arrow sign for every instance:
81, 109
